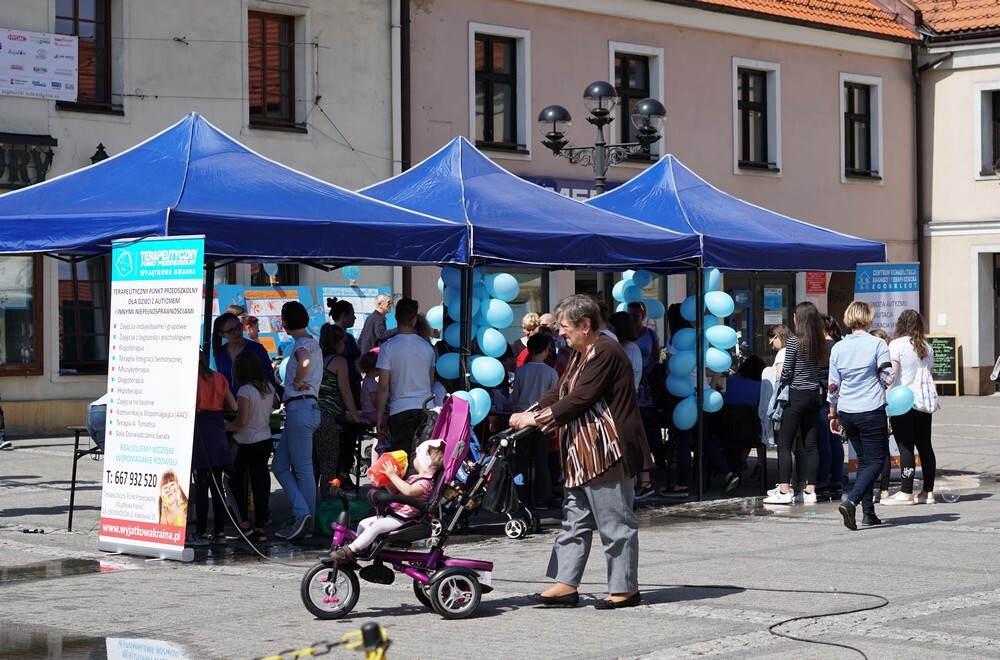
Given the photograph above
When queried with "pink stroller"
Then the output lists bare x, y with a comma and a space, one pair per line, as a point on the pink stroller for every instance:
450, 586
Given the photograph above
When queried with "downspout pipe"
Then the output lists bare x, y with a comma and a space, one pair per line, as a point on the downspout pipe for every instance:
918, 149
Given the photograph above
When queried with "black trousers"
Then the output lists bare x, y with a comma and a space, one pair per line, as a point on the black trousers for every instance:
251, 464
801, 415
913, 429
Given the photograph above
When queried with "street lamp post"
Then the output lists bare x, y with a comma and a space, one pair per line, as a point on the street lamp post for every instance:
600, 99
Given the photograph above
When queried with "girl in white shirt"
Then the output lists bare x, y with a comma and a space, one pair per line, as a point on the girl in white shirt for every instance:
910, 353
252, 431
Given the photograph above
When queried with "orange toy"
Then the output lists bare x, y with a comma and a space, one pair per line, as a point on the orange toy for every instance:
375, 475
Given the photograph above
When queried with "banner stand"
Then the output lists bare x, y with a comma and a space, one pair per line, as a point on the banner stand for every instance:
156, 315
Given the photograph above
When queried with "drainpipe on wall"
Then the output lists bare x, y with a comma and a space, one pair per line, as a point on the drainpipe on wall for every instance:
399, 56
918, 148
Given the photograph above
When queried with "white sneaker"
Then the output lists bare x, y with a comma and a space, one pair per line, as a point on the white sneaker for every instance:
802, 497
899, 499
775, 490
924, 498
780, 498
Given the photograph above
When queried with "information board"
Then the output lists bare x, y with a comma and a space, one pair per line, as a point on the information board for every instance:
156, 310
945, 369
890, 288
38, 65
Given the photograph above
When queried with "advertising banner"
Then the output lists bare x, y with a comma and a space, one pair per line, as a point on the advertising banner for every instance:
156, 314
362, 298
38, 65
890, 288
264, 302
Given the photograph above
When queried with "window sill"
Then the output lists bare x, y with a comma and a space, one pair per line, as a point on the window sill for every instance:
502, 147
9, 370
282, 128
758, 167
117, 111
858, 176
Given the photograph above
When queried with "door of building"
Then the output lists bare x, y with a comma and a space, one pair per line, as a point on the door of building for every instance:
762, 300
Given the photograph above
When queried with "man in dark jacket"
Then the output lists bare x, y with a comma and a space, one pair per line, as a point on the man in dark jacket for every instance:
374, 332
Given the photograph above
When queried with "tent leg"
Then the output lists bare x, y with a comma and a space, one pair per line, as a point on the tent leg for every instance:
206, 327
699, 289
466, 329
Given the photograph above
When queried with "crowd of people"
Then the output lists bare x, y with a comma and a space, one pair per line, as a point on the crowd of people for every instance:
567, 363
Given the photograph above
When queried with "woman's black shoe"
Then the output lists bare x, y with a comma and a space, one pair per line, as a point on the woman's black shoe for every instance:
847, 510
608, 604
870, 520
566, 600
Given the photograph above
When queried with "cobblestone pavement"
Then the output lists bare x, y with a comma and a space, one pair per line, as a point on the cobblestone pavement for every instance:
715, 577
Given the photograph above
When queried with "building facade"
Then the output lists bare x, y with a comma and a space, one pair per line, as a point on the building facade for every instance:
960, 81
308, 83
806, 111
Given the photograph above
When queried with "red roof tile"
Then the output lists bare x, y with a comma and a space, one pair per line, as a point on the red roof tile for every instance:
857, 15
960, 15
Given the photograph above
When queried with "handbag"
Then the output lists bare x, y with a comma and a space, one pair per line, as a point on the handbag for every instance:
925, 396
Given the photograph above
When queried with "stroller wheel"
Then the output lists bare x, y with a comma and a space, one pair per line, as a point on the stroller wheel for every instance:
516, 529
329, 592
436, 528
457, 594
423, 594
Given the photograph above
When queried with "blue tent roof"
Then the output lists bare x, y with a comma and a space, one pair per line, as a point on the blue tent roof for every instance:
516, 222
735, 234
194, 179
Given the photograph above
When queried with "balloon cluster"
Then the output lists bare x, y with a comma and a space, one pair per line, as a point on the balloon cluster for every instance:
717, 358
629, 290
490, 311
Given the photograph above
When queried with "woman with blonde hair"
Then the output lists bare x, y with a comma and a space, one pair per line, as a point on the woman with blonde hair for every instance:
910, 353
859, 371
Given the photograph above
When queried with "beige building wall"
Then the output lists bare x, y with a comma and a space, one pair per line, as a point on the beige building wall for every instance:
345, 94
569, 45
962, 208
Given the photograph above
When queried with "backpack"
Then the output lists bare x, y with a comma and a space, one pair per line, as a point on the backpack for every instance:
925, 396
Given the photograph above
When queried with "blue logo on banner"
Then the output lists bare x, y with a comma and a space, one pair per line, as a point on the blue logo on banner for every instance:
351, 273
884, 278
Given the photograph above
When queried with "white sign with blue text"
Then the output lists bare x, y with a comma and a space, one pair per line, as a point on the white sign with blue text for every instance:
889, 288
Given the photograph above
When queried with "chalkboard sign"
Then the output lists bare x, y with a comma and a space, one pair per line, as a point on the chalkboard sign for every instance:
945, 369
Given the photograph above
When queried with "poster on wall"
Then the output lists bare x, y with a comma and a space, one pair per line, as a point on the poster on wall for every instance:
362, 298
156, 313
38, 65
264, 302
890, 288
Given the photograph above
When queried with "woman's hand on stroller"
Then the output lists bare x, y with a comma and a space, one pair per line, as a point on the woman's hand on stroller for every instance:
523, 420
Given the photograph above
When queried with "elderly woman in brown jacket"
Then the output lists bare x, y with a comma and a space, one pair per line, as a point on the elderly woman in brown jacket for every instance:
603, 445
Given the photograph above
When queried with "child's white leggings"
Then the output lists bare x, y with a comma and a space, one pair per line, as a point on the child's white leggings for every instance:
369, 528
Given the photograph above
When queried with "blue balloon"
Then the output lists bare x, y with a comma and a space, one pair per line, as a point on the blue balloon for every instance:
451, 296
628, 274
498, 313
617, 292
685, 339
718, 361
686, 413
679, 386
712, 400
502, 286
898, 400
448, 365
452, 276
282, 366
440, 285
488, 371
478, 274
710, 321
642, 278
689, 309
654, 309
390, 320
478, 320
683, 362
480, 404
479, 291
622, 307
712, 279
453, 335
491, 342
435, 317
631, 293
721, 336
719, 303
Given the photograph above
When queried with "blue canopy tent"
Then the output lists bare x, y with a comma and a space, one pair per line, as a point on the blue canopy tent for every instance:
194, 179
734, 234
517, 223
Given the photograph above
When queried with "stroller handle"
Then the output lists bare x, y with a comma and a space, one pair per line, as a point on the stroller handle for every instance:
510, 435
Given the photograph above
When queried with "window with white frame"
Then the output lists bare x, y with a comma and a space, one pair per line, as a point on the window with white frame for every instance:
756, 116
499, 84
860, 128
637, 72
988, 128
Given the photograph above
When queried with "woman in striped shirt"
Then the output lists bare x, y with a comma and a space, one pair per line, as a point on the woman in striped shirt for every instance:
804, 353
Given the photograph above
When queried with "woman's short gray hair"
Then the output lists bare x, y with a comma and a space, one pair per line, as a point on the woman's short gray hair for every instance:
574, 309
